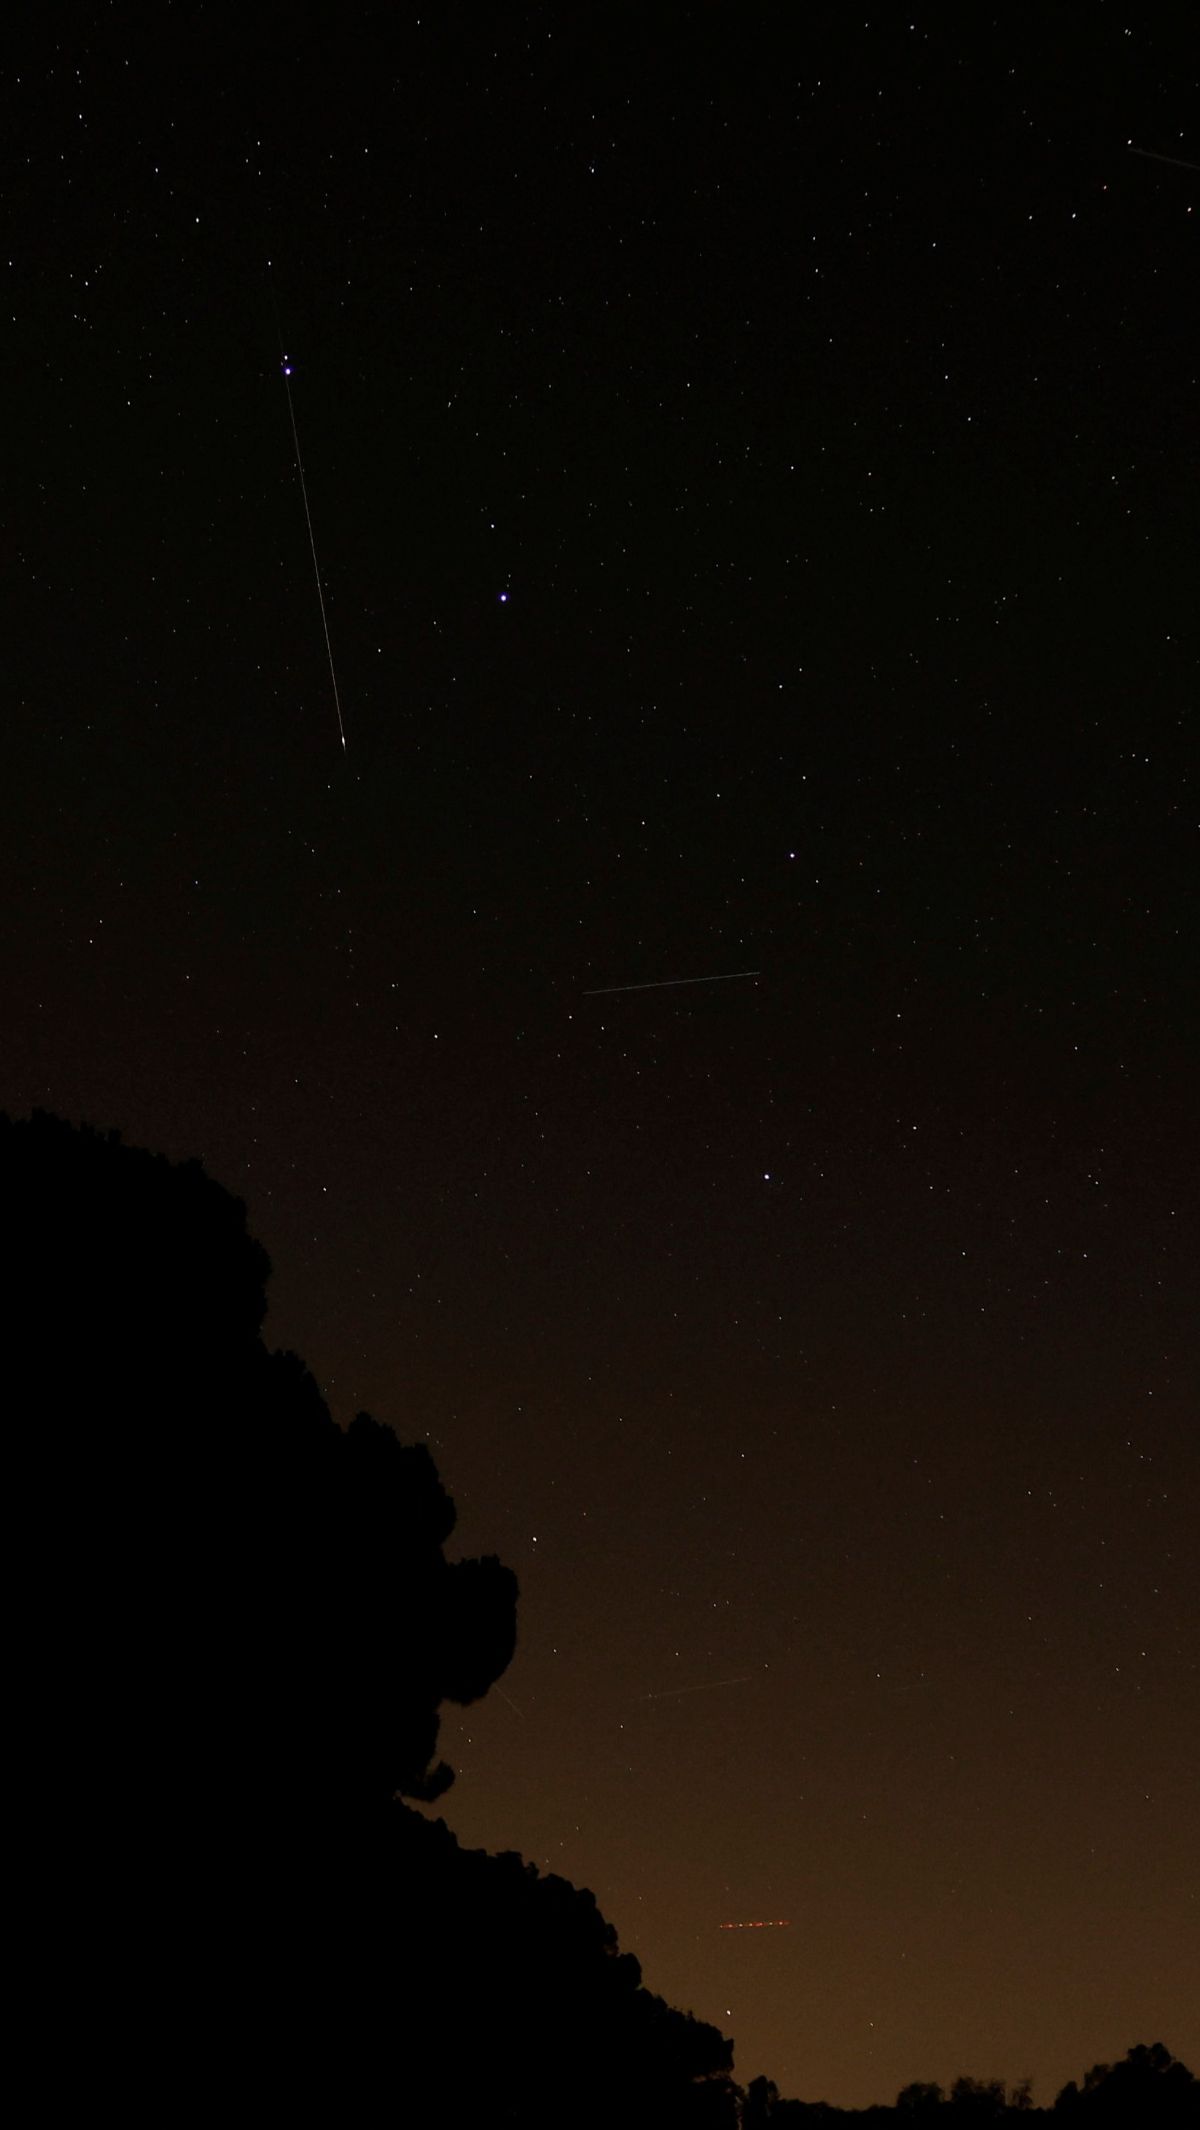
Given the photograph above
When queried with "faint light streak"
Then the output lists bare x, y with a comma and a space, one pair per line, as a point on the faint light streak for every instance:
1151, 156
672, 983
707, 1686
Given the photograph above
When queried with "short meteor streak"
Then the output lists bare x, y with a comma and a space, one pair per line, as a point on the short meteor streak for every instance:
1151, 156
673, 983
708, 1686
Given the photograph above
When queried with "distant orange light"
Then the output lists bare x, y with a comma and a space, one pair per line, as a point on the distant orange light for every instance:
781, 1923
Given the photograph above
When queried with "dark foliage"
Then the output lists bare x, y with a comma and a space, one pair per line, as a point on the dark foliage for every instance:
562, 2029
236, 1626
916, 2103
978, 2100
236, 1596
1149, 2086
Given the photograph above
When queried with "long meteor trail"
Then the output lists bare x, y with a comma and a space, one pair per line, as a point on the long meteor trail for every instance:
673, 983
287, 386
286, 371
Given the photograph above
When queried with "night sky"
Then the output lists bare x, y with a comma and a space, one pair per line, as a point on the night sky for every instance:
753, 474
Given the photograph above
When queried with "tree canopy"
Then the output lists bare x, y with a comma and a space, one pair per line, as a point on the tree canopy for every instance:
238, 1627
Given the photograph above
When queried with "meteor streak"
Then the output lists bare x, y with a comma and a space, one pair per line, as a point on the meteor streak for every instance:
707, 1686
286, 369
1152, 157
672, 983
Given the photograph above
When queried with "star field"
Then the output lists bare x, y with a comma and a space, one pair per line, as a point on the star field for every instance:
751, 474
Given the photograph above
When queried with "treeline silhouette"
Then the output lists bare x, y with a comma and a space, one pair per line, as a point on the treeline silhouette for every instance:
1147, 2086
235, 1626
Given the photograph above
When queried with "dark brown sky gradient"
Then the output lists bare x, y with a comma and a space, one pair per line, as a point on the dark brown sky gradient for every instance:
752, 471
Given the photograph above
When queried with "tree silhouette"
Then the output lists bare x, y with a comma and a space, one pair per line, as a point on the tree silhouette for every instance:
977, 2100
237, 1627
1149, 2086
758, 2106
917, 2101
234, 1590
